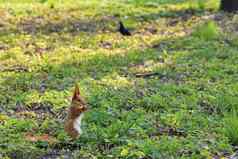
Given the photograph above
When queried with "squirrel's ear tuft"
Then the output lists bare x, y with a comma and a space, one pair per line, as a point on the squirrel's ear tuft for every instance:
76, 92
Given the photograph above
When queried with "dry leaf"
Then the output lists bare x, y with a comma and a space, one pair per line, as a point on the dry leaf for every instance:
43, 137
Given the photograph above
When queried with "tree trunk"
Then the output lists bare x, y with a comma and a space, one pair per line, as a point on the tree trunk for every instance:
229, 5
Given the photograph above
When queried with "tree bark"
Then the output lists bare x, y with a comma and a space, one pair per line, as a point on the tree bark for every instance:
229, 5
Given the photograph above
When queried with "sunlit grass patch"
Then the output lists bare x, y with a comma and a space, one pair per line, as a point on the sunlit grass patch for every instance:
207, 31
115, 81
231, 128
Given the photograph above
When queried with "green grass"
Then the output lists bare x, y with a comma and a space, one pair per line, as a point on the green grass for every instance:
231, 128
48, 46
207, 31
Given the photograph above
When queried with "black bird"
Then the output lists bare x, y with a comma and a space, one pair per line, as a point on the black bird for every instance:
123, 30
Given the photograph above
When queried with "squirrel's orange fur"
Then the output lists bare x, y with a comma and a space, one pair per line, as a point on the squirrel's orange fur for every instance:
78, 106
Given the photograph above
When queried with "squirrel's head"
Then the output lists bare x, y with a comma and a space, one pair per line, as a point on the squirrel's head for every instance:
78, 101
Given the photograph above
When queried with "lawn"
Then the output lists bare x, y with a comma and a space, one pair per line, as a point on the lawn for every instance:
168, 91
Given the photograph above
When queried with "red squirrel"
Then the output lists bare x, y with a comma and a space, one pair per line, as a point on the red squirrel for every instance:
75, 114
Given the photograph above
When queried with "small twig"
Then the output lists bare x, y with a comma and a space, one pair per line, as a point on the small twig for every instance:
147, 75
15, 69
69, 145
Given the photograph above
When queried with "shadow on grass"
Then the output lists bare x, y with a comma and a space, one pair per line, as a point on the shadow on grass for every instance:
92, 25
181, 13
45, 26
73, 26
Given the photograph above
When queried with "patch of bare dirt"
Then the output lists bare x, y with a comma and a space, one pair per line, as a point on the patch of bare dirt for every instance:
35, 110
106, 45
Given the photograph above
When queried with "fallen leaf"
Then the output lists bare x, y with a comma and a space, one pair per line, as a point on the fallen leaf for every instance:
43, 137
